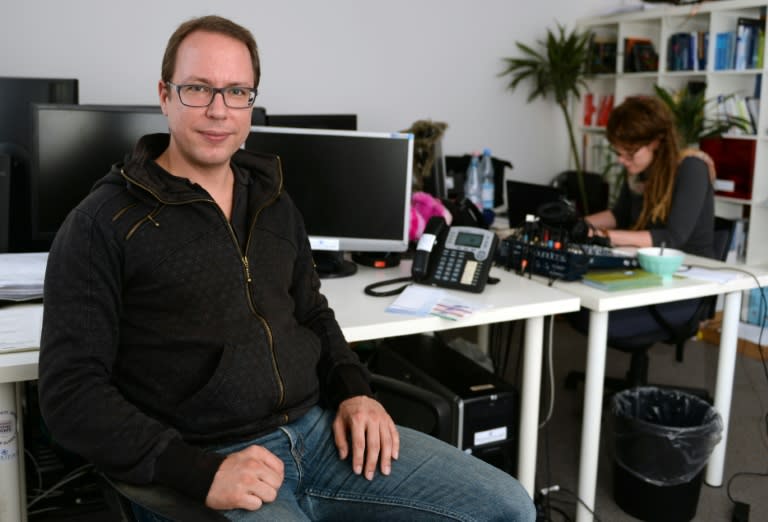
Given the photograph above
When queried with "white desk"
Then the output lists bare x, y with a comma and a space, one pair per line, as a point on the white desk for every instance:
362, 318
599, 304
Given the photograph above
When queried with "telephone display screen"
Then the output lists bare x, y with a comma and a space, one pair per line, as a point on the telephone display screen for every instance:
469, 240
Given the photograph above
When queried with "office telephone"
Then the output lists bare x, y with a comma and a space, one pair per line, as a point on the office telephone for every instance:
454, 257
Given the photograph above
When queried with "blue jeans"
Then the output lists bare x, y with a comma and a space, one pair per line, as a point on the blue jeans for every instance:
430, 481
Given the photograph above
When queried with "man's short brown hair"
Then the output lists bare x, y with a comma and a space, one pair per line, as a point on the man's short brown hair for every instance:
211, 24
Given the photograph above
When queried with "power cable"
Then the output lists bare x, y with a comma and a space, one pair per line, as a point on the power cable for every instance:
69, 477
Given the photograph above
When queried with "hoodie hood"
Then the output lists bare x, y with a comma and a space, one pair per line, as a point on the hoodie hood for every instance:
143, 175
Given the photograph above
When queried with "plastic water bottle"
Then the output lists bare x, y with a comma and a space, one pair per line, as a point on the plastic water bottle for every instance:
472, 185
488, 193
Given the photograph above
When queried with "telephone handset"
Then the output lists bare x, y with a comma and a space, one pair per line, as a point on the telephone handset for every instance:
454, 257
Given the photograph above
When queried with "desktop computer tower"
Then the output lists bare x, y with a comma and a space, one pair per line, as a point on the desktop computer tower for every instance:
478, 411
5, 201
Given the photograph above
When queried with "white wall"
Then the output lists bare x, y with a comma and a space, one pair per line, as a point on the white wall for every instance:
392, 62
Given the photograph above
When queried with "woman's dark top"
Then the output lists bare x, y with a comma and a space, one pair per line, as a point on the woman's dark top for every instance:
690, 223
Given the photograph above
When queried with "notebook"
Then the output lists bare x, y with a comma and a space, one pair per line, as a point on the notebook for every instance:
621, 279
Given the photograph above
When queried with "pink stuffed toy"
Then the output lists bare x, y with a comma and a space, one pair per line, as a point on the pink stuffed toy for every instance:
423, 207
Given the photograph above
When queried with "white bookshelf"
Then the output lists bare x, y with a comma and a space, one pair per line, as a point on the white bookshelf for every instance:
657, 24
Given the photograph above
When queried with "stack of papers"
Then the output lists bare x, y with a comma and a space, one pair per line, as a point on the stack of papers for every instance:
425, 300
709, 274
20, 328
21, 276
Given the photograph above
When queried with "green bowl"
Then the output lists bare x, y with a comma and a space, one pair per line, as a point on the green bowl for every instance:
664, 263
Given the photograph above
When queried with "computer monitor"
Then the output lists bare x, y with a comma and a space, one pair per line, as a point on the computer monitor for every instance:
353, 188
258, 116
16, 98
526, 198
313, 121
73, 147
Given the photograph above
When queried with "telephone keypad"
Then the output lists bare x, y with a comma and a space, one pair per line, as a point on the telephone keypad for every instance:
457, 267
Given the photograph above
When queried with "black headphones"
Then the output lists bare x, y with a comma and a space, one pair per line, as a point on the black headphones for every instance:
563, 214
557, 213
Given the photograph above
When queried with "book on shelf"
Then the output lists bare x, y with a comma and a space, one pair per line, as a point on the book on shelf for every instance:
687, 51
640, 55
759, 51
612, 280
589, 109
602, 55
725, 49
738, 110
738, 233
702, 50
739, 239
604, 108
753, 108
747, 37
645, 57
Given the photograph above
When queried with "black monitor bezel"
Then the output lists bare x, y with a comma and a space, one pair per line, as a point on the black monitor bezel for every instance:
360, 244
36, 235
340, 121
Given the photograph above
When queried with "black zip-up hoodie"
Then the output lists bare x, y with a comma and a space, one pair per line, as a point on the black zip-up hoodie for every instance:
163, 336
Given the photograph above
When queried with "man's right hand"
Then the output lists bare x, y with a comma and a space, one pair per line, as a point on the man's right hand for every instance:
246, 479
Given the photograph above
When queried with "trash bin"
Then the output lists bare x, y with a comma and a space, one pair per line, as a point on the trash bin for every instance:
662, 440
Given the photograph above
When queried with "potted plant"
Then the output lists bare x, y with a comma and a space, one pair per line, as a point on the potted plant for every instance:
558, 69
689, 110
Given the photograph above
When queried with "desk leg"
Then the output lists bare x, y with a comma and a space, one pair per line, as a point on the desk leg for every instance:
483, 337
726, 366
10, 447
529, 403
593, 408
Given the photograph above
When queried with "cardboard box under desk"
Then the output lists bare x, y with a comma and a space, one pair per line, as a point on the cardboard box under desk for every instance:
710, 333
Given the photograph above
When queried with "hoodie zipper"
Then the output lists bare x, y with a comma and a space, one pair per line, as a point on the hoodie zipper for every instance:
245, 264
249, 282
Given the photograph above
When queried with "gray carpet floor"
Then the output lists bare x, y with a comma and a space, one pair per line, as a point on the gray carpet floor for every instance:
747, 451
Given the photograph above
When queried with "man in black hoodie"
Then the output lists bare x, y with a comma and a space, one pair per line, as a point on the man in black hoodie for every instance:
186, 342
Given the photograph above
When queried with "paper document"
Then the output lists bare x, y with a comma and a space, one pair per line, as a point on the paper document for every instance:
709, 274
21, 276
20, 327
423, 300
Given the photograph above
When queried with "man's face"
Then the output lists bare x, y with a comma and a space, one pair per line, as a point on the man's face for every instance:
207, 137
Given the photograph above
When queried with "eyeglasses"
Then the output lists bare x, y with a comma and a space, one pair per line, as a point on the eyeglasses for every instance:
627, 155
201, 95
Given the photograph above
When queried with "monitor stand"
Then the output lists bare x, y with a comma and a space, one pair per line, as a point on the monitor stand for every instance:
332, 264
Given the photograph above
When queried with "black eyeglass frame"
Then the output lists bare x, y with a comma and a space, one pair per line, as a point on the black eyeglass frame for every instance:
252, 93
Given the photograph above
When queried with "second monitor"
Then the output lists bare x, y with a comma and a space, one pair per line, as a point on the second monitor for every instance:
73, 147
352, 188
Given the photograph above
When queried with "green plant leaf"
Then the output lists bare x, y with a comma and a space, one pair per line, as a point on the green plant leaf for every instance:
690, 112
557, 68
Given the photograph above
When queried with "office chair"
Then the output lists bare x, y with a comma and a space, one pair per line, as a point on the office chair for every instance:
410, 406
597, 190
414, 407
668, 332
160, 499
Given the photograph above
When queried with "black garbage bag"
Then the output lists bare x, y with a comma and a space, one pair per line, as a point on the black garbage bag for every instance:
662, 436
